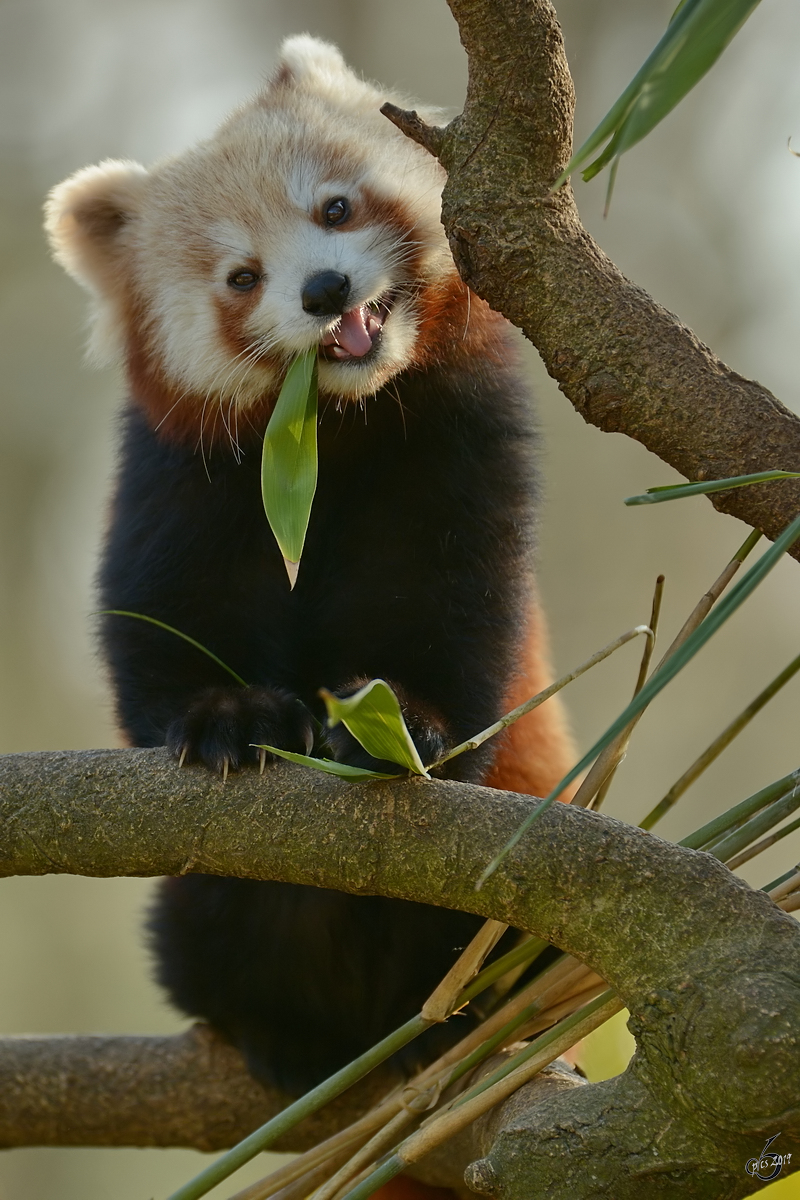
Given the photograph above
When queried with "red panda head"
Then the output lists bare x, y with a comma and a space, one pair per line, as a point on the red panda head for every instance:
306, 220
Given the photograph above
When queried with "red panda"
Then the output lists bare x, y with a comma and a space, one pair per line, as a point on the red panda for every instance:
308, 220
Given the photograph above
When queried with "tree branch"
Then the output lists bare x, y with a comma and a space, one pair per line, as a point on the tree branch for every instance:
627, 364
709, 968
191, 1089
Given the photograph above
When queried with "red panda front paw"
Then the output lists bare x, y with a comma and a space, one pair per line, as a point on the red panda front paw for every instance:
428, 733
224, 727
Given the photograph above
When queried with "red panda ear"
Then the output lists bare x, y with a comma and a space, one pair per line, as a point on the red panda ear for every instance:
89, 220
305, 61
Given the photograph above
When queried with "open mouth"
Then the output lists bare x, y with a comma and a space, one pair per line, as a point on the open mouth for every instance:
356, 332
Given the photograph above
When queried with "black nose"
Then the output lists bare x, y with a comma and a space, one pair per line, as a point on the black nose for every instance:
325, 295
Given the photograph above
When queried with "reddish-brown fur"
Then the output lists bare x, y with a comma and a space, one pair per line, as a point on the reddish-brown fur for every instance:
535, 752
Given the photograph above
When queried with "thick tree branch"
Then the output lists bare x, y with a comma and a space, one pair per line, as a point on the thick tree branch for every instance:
627, 364
709, 968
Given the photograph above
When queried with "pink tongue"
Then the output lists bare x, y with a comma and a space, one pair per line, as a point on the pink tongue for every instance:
352, 334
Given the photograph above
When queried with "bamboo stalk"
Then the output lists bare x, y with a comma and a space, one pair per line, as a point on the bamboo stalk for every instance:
540, 697
447, 996
507, 980
768, 818
498, 1087
521, 955
725, 822
608, 760
382, 1141
326, 1091
655, 611
546, 988
786, 888
333, 1148
557, 1012
542, 1002
719, 744
738, 860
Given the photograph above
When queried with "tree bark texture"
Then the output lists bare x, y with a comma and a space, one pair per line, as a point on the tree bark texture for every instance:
627, 364
709, 968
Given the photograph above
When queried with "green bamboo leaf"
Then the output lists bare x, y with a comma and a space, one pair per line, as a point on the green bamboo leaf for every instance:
373, 716
289, 461
696, 36
343, 770
676, 491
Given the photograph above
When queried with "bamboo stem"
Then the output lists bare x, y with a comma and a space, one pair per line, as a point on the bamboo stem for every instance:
498, 1087
655, 611
786, 888
382, 1141
608, 760
557, 991
447, 996
332, 1149
715, 829
540, 697
745, 855
736, 841
720, 743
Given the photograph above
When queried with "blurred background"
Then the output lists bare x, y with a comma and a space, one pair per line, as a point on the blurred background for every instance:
705, 217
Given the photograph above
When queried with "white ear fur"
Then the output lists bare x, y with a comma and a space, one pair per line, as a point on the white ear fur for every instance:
309, 60
317, 68
88, 220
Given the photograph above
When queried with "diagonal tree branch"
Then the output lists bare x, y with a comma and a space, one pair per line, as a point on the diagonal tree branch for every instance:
627, 364
709, 968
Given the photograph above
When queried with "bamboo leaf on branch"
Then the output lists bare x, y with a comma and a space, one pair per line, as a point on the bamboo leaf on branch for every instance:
704, 487
696, 36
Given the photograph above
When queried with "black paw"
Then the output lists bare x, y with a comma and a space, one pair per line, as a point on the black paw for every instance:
428, 733
224, 727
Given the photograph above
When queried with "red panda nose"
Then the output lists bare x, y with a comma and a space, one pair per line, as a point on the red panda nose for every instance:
325, 295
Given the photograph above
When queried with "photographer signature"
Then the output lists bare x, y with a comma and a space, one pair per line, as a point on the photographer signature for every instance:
767, 1166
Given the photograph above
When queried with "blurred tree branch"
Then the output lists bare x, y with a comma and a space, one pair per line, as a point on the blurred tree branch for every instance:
627, 364
707, 966
191, 1089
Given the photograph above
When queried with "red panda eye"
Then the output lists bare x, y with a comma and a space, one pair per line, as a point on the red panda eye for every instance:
243, 281
336, 212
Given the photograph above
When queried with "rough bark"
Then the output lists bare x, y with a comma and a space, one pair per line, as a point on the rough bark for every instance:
709, 968
627, 364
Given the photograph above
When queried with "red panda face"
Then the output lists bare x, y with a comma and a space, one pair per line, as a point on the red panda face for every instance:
308, 220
